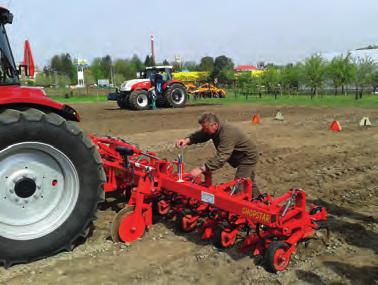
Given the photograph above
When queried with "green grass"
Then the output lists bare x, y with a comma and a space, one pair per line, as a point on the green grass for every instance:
80, 99
367, 101
79, 95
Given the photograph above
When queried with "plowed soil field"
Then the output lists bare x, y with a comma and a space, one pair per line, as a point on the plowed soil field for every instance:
337, 170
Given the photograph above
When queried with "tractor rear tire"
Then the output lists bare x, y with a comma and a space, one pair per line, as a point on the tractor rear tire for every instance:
176, 95
51, 178
139, 100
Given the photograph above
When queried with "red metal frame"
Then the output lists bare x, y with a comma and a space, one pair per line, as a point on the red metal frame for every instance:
14, 96
226, 210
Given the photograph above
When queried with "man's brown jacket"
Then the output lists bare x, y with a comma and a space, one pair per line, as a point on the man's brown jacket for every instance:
232, 146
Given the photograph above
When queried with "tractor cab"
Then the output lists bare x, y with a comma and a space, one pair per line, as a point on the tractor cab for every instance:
8, 70
151, 72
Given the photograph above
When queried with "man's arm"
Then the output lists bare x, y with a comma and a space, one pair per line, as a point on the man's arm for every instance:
224, 151
198, 137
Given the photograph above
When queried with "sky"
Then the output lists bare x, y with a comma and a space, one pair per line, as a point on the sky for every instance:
248, 31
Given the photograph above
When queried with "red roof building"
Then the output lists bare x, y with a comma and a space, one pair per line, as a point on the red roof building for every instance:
245, 68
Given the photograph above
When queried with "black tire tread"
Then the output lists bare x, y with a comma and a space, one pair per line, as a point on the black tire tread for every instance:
123, 101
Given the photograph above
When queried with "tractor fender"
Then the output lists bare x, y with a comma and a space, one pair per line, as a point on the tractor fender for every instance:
22, 98
170, 82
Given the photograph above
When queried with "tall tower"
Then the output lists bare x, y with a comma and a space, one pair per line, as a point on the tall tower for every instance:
152, 50
81, 64
178, 60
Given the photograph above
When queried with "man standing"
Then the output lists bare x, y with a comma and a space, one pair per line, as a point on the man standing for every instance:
232, 146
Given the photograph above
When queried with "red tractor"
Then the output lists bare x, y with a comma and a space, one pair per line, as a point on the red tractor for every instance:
154, 84
51, 174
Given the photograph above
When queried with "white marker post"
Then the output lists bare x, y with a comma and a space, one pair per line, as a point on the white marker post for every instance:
180, 159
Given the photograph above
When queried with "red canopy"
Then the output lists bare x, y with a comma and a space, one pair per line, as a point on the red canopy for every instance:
245, 68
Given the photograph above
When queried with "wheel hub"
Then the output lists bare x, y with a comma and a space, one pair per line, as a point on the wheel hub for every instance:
178, 96
40, 186
22, 186
142, 100
25, 188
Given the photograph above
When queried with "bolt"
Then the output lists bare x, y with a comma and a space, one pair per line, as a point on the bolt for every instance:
38, 186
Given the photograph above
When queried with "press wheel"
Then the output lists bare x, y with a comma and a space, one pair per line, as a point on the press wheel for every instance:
114, 229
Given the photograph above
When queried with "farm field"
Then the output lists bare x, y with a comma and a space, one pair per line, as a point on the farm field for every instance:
368, 101
337, 170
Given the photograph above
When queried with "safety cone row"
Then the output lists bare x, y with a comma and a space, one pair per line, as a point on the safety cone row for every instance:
335, 125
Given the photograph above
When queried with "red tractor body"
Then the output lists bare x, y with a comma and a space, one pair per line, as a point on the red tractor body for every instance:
144, 84
20, 98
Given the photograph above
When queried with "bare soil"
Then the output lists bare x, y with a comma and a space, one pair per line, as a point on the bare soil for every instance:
337, 170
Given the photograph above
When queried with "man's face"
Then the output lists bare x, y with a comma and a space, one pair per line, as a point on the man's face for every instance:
209, 128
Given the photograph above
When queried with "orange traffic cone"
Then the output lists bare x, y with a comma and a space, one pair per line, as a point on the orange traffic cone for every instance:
335, 126
256, 119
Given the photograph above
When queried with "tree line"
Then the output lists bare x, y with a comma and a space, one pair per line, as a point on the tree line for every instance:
313, 74
62, 69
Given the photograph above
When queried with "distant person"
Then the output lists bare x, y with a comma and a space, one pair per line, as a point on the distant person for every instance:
232, 145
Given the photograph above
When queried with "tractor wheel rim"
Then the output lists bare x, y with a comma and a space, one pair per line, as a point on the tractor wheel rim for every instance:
142, 100
178, 96
40, 188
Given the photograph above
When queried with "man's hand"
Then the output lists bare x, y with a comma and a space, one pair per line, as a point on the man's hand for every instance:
196, 172
182, 142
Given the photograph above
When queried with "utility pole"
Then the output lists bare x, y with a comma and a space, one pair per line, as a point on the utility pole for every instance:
111, 75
